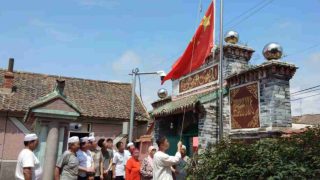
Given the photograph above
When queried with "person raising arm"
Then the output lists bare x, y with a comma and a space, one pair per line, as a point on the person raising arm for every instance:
162, 162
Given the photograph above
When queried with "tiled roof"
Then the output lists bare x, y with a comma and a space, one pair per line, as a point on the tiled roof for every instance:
99, 99
186, 103
176, 106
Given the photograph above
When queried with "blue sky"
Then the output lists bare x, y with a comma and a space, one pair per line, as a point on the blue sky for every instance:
105, 39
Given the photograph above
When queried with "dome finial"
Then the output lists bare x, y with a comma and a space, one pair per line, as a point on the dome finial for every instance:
272, 51
231, 37
162, 93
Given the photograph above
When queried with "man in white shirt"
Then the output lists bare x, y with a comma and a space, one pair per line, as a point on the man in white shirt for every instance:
28, 166
86, 168
128, 152
130, 147
162, 162
119, 162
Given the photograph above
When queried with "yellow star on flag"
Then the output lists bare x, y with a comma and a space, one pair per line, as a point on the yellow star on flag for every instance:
205, 22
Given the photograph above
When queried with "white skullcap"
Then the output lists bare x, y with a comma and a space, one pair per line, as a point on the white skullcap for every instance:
73, 139
84, 139
30, 137
151, 148
184, 147
130, 144
91, 138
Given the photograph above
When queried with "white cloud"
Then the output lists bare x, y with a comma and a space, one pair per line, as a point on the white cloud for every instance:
126, 62
150, 84
315, 59
54, 32
99, 3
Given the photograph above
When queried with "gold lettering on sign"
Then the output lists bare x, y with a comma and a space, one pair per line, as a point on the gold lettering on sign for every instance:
201, 78
244, 102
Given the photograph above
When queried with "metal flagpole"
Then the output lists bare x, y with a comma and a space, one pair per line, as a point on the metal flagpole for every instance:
221, 74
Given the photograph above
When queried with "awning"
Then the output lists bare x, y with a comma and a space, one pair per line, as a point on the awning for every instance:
185, 104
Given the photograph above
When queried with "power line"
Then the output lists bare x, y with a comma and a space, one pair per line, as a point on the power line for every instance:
305, 97
312, 90
304, 50
245, 12
252, 13
306, 89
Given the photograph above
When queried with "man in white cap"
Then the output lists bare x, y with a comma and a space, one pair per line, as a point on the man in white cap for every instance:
131, 147
180, 170
28, 166
97, 157
86, 169
67, 165
129, 151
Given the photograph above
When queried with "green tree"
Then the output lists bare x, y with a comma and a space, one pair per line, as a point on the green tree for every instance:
295, 157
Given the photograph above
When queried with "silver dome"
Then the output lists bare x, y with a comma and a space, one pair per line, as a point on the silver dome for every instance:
272, 51
162, 93
231, 37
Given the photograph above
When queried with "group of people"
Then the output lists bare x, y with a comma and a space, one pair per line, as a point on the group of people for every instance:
89, 159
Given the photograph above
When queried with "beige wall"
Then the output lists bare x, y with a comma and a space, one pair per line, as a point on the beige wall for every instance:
13, 142
2, 131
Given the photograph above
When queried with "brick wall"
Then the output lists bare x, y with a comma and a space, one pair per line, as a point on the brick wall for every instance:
208, 122
112, 130
275, 105
106, 130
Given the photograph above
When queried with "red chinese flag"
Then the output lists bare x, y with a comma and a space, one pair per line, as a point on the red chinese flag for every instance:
198, 49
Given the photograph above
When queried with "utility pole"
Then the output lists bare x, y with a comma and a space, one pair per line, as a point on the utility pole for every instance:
134, 74
133, 94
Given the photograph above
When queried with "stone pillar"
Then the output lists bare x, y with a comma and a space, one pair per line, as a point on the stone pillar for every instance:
208, 125
42, 144
51, 151
61, 141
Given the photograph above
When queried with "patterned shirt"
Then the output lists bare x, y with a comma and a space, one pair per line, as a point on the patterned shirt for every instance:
146, 169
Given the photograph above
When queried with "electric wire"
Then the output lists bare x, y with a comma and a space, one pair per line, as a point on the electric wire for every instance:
306, 97
304, 50
305, 89
251, 14
245, 12
305, 92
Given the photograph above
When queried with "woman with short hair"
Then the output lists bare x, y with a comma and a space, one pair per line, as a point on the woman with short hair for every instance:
147, 163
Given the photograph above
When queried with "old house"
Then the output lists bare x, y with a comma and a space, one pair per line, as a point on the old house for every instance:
59, 107
256, 101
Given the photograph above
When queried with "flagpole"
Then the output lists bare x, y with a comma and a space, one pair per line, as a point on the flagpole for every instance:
214, 28
221, 75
